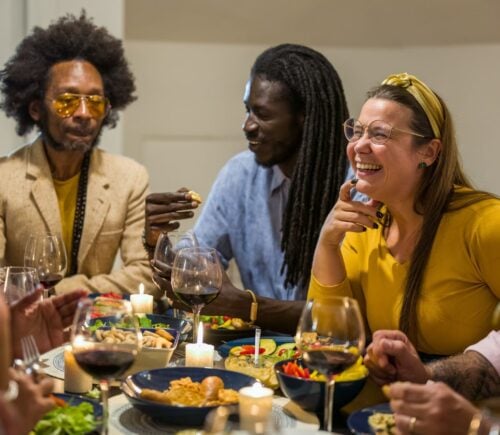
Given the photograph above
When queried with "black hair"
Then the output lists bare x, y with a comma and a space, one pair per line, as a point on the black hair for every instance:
25, 75
314, 88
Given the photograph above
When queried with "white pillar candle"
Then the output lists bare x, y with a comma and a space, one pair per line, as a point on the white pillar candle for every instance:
255, 406
75, 379
141, 303
199, 354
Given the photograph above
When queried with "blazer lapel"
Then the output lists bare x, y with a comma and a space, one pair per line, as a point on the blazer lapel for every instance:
43, 192
97, 205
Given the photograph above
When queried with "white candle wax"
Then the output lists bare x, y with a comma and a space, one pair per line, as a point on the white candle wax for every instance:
75, 379
255, 406
141, 303
199, 355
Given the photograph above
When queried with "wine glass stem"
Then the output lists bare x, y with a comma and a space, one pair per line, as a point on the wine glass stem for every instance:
328, 411
196, 322
104, 384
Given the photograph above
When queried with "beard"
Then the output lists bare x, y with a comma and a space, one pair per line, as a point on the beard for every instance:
67, 145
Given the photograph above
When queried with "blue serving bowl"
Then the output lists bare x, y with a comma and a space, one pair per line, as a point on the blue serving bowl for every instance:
310, 394
160, 380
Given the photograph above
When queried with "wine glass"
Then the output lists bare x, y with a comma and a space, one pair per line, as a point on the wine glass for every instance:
331, 336
47, 254
196, 279
18, 282
104, 357
167, 246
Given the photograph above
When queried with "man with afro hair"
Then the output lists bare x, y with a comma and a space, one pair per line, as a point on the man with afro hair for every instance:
69, 81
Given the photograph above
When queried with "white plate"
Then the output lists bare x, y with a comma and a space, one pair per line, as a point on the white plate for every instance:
53, 362
125, 419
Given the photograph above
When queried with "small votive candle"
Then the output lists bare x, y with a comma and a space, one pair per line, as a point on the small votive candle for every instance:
141, 303
255, 406
75, 379
199, 354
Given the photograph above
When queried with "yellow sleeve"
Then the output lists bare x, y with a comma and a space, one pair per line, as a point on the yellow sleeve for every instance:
320, 291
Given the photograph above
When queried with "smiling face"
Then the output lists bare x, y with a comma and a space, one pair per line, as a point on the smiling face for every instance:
388, 172
80, 131
272, 127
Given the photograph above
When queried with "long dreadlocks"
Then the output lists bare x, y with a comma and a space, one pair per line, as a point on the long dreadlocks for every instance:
315, 89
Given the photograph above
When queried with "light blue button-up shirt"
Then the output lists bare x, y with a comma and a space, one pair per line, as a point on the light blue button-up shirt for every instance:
242, 219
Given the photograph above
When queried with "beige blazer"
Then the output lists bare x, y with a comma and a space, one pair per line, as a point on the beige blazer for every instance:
114, 218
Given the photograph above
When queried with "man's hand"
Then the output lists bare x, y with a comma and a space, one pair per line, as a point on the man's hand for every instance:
430, 409
391, 357
164, 209
44, 320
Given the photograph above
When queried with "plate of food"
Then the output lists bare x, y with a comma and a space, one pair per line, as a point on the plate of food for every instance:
72, 414
221, 329
377, 419
240, 357
183, 395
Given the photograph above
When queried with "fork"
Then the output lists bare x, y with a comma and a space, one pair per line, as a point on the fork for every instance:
31, 356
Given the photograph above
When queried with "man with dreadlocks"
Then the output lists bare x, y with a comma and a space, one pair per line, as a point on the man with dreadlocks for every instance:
267, 205
70, 80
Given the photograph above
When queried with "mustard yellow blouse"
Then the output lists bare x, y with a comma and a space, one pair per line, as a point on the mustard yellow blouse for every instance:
461, 286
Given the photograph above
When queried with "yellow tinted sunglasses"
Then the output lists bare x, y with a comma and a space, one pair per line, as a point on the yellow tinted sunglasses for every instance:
67, 104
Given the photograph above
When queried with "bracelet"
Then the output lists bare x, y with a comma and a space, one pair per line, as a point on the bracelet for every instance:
12, 392
475, 423
253, 307
150, 250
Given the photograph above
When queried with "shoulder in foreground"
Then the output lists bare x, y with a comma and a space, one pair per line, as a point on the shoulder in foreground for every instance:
17, 154
473, 200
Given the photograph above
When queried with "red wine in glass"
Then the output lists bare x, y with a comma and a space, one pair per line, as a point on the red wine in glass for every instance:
193, 297
331, 362
102, 363
105, 360
331, 336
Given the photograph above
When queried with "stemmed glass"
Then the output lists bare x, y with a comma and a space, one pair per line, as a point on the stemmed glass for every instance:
47, 254
196, 279
18, 282
167, 246
331, 336
105, 358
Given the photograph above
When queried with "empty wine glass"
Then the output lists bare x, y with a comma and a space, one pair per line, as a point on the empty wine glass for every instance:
331, 336
47, 254
196, 279
168, 245
17, 282
101, 355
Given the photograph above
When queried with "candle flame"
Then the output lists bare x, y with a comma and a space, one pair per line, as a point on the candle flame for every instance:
141, 288
199, 339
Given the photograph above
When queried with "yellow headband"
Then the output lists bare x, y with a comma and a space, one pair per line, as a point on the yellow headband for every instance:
425, 97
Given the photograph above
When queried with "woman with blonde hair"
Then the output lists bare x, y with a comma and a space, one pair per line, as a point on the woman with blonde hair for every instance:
424, 255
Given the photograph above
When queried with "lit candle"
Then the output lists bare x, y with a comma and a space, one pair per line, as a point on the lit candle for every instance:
199, 354
255, 406
75, 379
141, 303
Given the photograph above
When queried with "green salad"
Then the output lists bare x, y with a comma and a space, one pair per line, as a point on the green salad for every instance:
67, 420
144, 322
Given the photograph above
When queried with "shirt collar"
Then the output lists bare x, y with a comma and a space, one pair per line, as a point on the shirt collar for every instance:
279, 179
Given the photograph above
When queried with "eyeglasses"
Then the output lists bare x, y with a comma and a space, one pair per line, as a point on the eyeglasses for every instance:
67, 104
379, 132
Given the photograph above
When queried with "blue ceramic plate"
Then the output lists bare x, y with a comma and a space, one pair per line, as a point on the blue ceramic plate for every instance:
160, 379
75, 400
358, 421
226, 347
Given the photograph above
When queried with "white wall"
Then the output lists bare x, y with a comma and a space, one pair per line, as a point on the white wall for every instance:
189, 114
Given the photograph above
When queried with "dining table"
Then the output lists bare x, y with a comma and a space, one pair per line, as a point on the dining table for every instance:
287, 417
